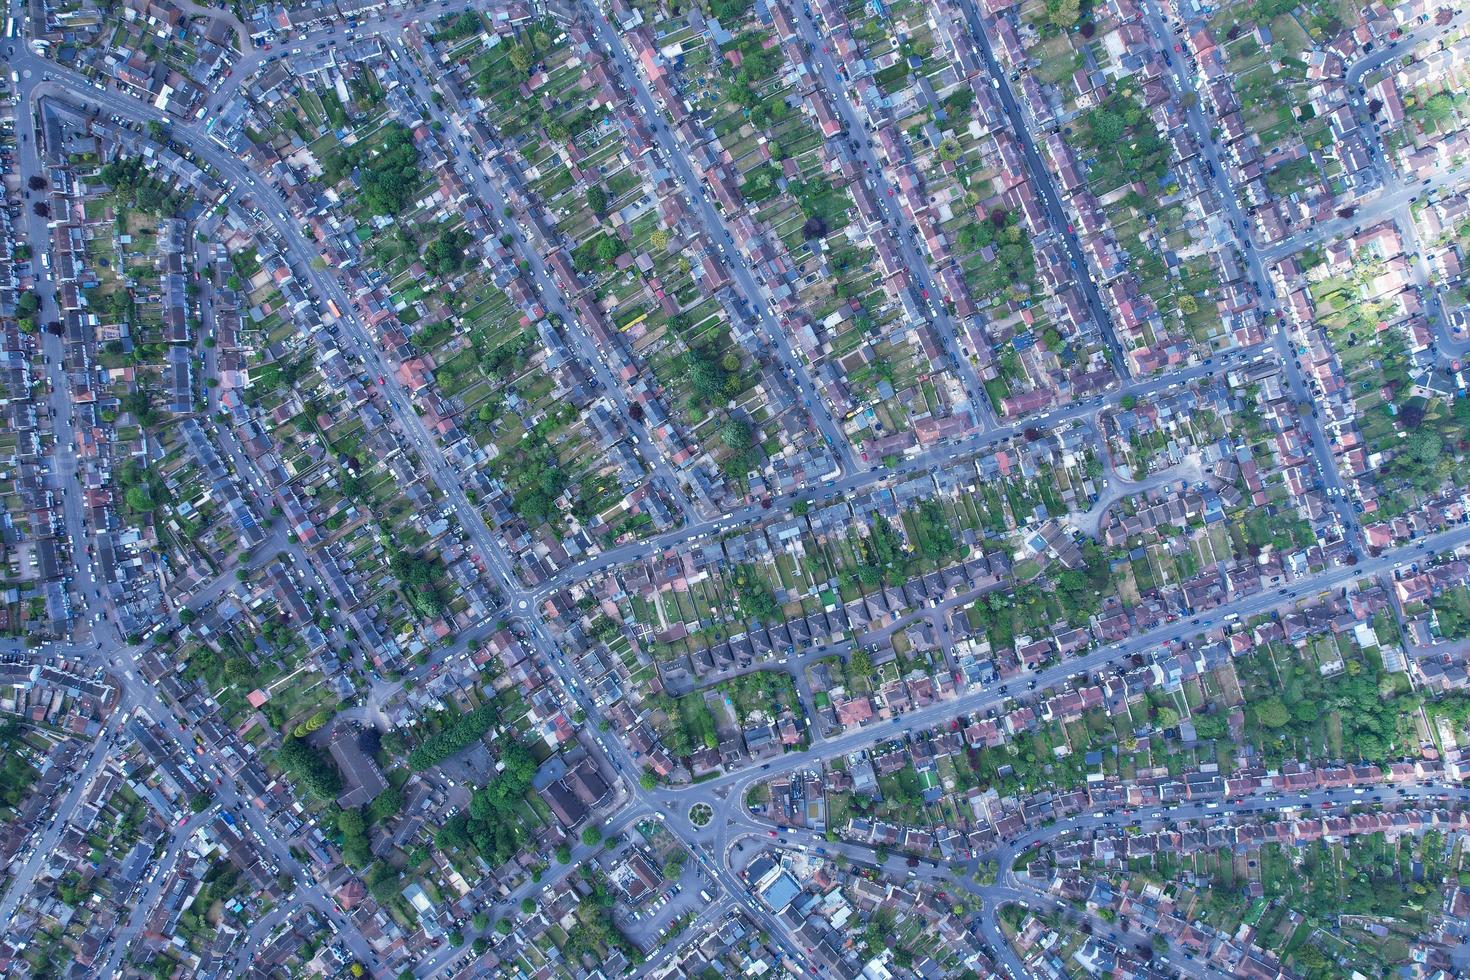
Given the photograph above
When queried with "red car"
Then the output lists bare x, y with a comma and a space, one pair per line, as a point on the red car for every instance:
382, 380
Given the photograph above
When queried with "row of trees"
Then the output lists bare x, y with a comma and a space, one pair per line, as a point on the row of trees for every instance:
313, 723
310, 767
465, 731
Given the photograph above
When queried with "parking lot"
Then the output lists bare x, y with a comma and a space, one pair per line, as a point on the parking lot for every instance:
654, 915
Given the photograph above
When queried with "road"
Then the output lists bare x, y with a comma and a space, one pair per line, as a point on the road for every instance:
87, 586
899, 228
725, 790
759, 297
1181, 80
551, 297
143, 903
1448, 346
1045, 189
954, 453
115, 654
1009, 887
81, 782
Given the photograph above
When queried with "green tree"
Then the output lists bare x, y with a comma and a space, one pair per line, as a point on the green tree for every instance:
460, 734
385, 805
608, 249
387, 169
1106, 127
1439, 109
1272, 712
139, 499
735, 433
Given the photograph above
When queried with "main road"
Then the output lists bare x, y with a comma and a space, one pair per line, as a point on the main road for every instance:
725, 791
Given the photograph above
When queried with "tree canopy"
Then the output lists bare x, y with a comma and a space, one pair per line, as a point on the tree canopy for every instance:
311, 768
387, 168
